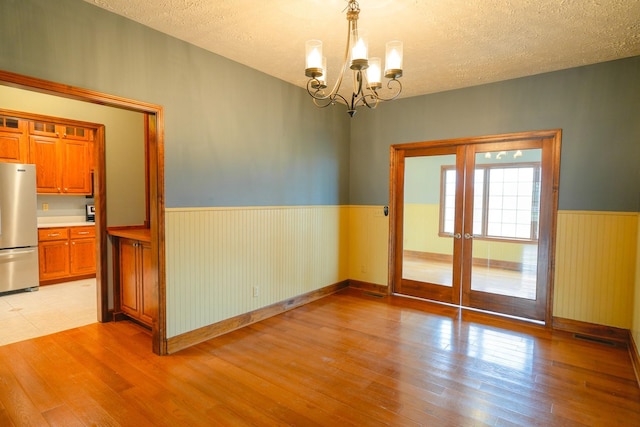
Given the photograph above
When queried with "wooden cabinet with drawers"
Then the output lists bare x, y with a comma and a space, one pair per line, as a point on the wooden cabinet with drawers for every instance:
66, 253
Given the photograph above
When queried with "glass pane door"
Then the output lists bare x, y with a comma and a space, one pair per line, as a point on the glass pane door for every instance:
474, 220
503, 232
431, 213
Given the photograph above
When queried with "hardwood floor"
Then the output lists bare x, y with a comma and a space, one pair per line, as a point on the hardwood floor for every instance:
347, 360
496, 280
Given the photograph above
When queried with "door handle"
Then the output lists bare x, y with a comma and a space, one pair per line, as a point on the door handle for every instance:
457, 235
467, 236
29, 251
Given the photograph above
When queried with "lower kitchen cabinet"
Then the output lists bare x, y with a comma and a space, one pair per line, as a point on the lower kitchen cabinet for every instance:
53, 253
138, 296
66, 253
82, 251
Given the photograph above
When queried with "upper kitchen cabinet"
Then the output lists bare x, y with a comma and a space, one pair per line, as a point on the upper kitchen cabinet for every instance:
14, 140
62, 155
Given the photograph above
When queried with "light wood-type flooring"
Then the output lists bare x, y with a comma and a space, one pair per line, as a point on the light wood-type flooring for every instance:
350, 359
521, 284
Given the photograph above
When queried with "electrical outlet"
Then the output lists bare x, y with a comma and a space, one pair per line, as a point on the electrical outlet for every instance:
45, 207
256, 291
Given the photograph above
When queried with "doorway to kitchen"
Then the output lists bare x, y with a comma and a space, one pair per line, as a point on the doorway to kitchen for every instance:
473, 221
154, 176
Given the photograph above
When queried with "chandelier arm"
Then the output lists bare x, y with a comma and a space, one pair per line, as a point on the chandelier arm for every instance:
329, 100
336, 86
319, 104
314, 88
390, 85
372, 102
342, 99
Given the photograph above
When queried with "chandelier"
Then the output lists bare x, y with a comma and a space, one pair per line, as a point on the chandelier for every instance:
367, 81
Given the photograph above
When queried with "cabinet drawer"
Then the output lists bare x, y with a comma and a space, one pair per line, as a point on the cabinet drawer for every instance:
83, 232
46, 234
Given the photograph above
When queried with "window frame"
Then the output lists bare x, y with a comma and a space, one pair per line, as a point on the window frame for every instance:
537, 175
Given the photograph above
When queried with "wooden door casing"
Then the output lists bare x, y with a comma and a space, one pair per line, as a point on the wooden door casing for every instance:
541, 308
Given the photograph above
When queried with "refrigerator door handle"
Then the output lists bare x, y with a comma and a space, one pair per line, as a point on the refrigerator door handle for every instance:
25, 252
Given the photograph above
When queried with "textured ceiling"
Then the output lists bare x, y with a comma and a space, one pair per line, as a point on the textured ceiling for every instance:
448, 44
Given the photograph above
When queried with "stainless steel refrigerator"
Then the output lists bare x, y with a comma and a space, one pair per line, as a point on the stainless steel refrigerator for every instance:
18, 227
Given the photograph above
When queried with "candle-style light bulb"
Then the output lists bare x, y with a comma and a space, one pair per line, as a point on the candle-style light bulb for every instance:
393, 60
314, 58
374, 74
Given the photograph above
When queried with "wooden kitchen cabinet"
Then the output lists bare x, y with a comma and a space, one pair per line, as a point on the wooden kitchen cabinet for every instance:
82, 250
66, 253
62, 158
53, 253
14, 140
137, 284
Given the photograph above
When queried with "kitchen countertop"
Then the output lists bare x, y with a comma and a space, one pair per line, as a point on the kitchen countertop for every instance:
63, 221
135, 232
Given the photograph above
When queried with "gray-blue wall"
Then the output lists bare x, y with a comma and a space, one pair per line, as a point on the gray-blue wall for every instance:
237, 137
233, 136
597, 107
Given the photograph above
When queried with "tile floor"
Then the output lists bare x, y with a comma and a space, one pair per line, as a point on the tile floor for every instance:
52, 308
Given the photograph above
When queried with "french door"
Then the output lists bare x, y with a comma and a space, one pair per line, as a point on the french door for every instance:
473, 221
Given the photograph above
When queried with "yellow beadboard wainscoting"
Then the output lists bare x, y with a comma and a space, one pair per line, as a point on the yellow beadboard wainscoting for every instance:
216, 256
635, 329
596, 276
368, 245
223, 262
595, 272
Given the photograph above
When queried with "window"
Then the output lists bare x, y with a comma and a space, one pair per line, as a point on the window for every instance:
506, 201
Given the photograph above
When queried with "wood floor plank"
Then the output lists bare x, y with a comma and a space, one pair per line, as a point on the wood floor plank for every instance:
40, 393
62, 416
17, 401
348, 359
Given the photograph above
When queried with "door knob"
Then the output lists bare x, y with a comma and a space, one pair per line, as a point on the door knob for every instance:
467, 236
457, 235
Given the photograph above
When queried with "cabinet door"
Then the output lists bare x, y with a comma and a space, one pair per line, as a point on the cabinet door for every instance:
128, 277
54, 259
14, 141
148, 291
13, 148
73, 132
76, 169
44, 153
83, 256
44, 129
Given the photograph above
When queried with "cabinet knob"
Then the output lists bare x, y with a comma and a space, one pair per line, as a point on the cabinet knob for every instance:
73, 243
